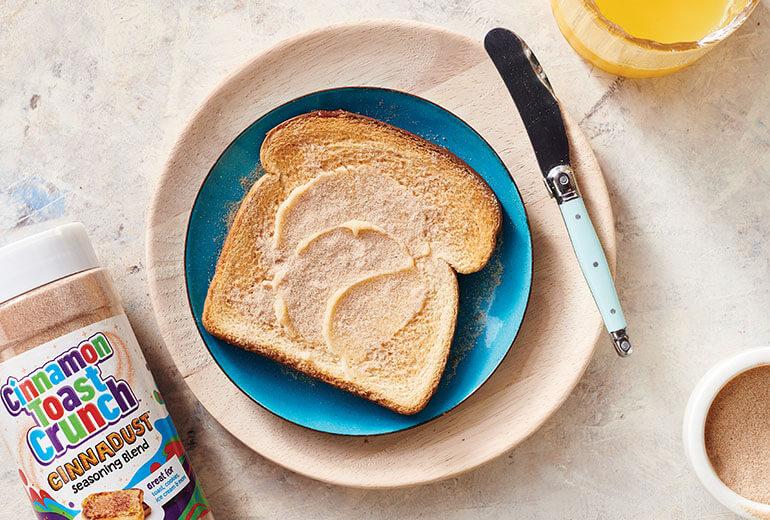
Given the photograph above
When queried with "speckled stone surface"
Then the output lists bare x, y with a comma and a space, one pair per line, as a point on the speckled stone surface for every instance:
93, 95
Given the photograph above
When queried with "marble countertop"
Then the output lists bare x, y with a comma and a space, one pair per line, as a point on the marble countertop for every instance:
93, 96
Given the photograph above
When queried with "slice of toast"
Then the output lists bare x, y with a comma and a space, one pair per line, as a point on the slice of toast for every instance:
463, 214
386, 327
125, 504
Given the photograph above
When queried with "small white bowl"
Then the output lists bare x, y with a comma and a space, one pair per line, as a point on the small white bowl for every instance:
693, 431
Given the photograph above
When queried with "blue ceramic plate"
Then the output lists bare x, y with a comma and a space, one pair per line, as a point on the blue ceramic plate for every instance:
492, 301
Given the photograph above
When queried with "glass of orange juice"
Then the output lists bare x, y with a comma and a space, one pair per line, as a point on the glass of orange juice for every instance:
644, 38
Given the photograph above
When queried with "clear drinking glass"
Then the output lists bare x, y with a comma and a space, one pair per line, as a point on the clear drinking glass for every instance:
609, 47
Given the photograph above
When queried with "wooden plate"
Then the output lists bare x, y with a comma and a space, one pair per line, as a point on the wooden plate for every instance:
561, 326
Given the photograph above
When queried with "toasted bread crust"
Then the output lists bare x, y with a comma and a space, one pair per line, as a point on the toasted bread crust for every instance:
212, 324
483, 204
115, 505
240, 263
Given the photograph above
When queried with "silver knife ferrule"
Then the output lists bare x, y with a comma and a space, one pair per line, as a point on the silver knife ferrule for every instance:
561, 183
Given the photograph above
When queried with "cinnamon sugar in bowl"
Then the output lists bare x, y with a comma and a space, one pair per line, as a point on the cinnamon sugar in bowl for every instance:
726, 432
738, 434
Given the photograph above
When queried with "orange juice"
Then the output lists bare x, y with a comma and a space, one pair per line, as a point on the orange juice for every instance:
668, 21
645, 38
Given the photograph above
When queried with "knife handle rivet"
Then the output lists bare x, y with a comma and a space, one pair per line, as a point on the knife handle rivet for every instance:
596, 264
612, 311
564, 180
577, 217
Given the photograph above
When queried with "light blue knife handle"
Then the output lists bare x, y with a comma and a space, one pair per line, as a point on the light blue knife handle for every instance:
593, 263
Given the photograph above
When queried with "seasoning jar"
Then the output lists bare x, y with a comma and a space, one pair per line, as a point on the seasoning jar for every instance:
80, 410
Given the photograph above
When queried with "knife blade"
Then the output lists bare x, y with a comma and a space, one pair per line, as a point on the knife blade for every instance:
540, 111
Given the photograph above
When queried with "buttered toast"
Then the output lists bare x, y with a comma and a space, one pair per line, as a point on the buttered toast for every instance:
341, 259
124, 504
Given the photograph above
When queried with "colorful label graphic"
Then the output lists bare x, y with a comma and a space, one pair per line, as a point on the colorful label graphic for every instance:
91, 432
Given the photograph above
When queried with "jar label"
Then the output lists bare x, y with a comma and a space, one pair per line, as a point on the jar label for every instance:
91, 433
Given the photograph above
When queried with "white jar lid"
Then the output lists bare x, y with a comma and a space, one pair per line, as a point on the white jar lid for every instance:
43, 258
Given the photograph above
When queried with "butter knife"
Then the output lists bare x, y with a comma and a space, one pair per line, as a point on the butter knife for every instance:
539, 109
